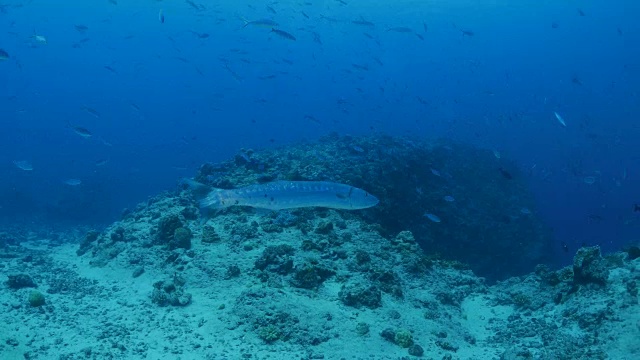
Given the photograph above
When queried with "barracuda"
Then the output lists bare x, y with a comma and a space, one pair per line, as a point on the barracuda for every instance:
280, 195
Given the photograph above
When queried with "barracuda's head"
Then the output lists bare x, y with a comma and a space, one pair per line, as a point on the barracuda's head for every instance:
356, 199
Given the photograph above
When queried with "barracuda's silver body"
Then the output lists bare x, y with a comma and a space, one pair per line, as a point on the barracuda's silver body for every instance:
280, 195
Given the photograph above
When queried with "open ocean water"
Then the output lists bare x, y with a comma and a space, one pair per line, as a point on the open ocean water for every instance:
337, 179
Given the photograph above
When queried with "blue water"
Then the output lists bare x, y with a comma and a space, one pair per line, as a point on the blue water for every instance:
161, 98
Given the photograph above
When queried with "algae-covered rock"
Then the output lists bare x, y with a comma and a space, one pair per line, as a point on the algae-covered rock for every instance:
360, 294
36, 298
209, 235
310, 276
85, 245
233, 271
403, 338
181, 239
269, 333
589, 267
324, 228
167, 227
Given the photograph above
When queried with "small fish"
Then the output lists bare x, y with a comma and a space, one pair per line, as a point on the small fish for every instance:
560, 119
312, 118
360, 67
105, 142
594, 218
497, 154
161, 16
589, 180
419, 36
363, 22
525, 211
565, 247
101, 162
435, 172
432, 217
80, 131
467, 33
3, 55
200, 35
91, 111
425, 27
283, 34
39, 39
400, 29
81, 28
72, 182
316, 37
449, 198
636, 208
197, 7
261, 23
581, 13
554, 25
304, 14
23, 165
505, 174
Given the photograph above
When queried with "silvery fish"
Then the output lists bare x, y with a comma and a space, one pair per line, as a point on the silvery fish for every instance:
261, 22
23, 165
280, 195
72, 182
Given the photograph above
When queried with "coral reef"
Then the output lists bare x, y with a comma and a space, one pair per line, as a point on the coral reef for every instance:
20, 281
413, 178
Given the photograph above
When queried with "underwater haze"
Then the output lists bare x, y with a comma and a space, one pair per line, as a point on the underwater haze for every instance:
106, 103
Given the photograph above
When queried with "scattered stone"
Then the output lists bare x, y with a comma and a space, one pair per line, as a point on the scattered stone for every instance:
389, 335
232, 272
360, 294
362, 329
277, 258
170, 293
416, 350
138, 271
